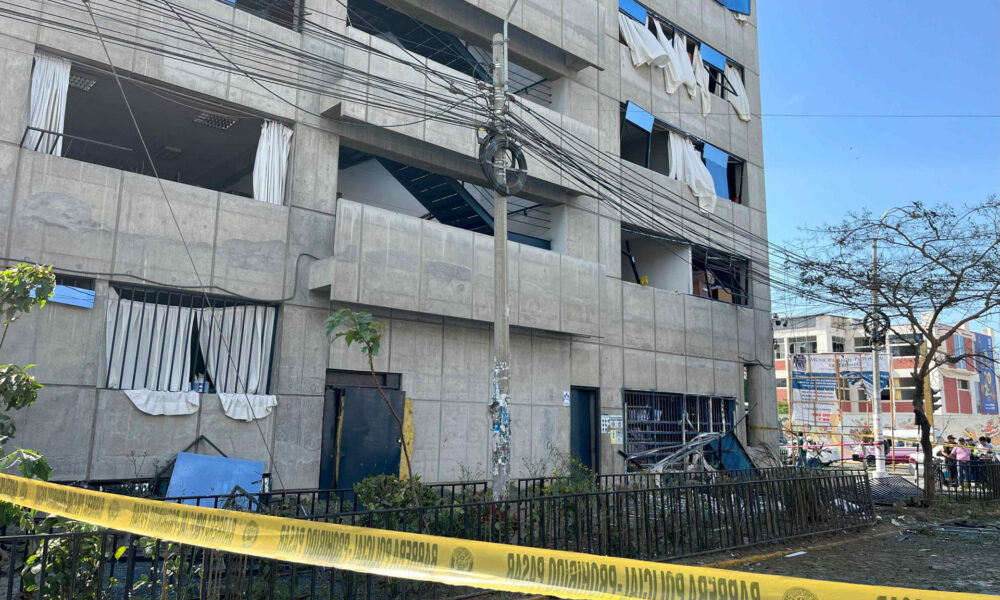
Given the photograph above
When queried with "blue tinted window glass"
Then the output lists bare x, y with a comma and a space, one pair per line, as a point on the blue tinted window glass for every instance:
633, 9
740, 6
713, 57
641, 118
717, 161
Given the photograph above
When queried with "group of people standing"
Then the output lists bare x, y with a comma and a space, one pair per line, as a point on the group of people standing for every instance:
961, 458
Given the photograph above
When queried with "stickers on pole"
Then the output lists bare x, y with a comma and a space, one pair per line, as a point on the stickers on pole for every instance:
429, 558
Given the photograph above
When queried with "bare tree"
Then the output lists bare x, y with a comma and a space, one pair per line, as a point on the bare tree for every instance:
937, 271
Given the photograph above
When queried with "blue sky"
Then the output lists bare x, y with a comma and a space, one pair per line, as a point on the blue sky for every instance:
876, 57
881, 57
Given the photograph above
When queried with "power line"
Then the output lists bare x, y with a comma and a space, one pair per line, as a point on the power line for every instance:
180, 233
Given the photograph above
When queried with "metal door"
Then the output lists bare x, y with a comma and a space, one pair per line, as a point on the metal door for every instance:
584, 443
367, 436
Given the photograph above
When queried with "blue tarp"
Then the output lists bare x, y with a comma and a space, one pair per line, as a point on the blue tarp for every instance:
204, 475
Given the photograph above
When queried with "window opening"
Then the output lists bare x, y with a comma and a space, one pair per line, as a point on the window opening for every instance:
656, 261
442, 47
166, 340
720, 276
191, 141
803, 345
726, 170
72, 290
657, 423
407, 189
838, 344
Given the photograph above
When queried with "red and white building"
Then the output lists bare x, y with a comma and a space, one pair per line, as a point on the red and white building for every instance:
969, 404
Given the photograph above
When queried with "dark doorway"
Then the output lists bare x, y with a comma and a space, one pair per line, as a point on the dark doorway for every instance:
584, 417
360, 437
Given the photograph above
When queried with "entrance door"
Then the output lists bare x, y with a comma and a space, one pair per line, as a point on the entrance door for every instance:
368, 435
584, 443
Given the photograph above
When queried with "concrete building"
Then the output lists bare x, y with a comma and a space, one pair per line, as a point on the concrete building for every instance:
208, 288
968, 388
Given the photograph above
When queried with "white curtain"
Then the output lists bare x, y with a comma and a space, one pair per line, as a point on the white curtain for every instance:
247, 407
148, 345
271, 165
687, 70
701, 77
236, 344
686, 165
164, 403
673, 69
676, 145
49, 84
642, 45
739, 100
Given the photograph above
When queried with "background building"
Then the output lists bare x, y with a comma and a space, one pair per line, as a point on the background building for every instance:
319, 155
968, 387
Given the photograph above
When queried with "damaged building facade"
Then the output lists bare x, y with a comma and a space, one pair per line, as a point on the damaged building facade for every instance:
299, 156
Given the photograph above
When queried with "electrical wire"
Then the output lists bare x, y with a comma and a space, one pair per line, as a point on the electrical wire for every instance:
180, 233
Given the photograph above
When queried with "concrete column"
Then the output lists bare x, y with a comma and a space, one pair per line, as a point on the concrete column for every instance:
763, 417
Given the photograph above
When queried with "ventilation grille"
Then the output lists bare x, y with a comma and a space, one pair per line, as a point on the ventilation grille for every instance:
81, 82
214, 121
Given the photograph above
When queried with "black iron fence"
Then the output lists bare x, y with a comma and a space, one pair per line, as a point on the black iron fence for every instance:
976, 481
644, 523
323, 503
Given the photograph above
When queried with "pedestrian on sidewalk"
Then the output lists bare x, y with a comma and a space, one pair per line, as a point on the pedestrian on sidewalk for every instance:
951, 466
963, 457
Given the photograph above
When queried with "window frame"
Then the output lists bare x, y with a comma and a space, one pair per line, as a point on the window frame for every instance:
192, 301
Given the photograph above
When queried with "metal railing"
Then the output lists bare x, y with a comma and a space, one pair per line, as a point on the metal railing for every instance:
648, 524
48, 141
312, 503
979, 481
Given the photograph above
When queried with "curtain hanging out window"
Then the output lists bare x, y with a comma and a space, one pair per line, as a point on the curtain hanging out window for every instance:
738, 99
49, 84
271, 165
701, 77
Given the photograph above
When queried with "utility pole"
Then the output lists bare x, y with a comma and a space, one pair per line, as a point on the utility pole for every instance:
877, 332
500, 401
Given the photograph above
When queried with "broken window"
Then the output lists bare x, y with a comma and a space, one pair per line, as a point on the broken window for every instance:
374, 17
803, 345
407, 189
167, 340
636, 134
658, 423
727, 172
715, 63
191, 141
645, 141
73, 290
655, 260
720, 276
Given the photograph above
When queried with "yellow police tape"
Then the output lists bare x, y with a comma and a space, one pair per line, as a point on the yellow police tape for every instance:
430, 558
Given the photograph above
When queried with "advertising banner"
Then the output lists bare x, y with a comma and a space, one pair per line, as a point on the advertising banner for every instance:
987, 375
